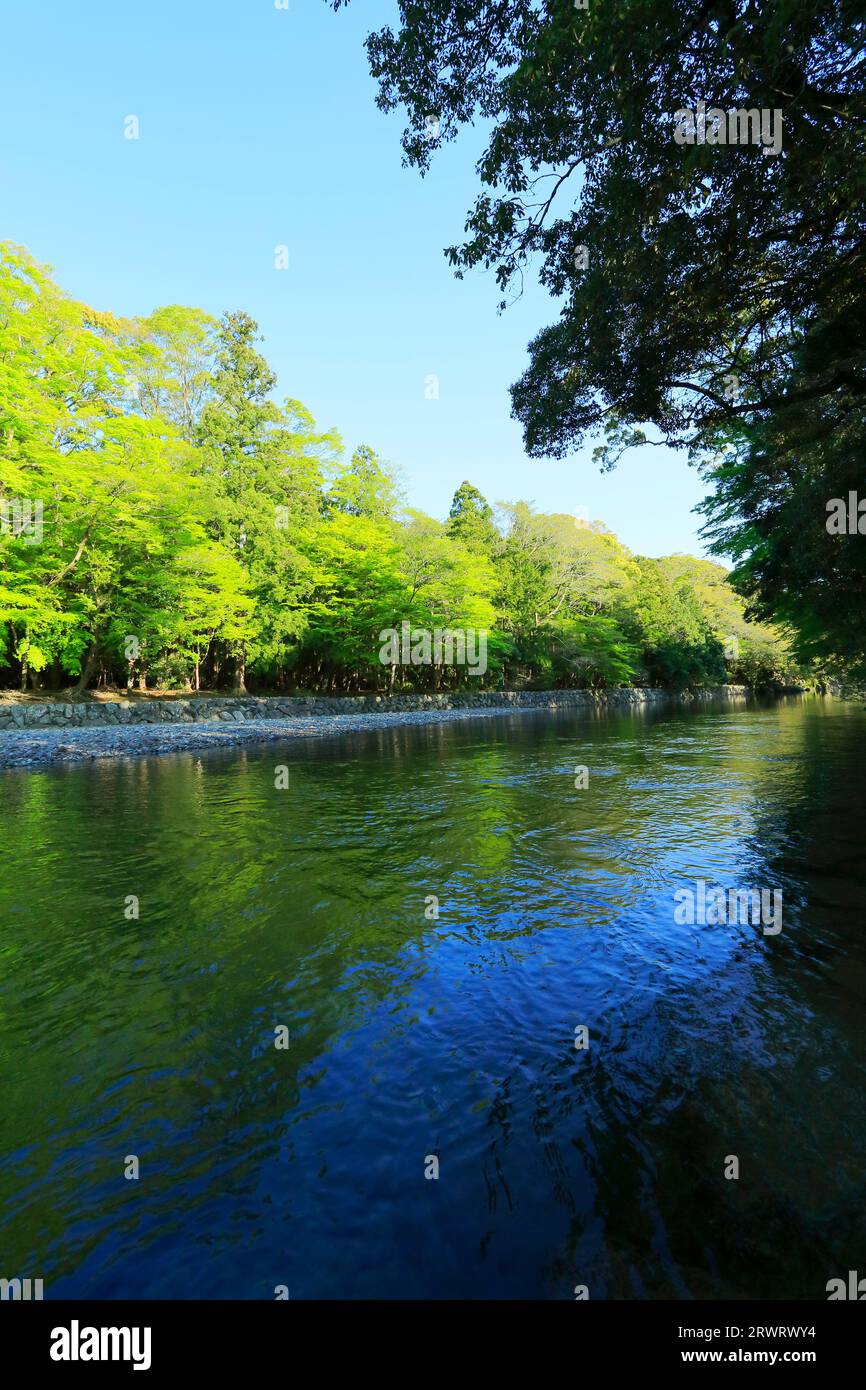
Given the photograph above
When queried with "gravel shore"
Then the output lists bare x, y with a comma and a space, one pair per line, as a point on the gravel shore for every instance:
40, 747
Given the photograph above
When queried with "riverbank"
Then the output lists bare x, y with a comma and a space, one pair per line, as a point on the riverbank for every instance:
34, 734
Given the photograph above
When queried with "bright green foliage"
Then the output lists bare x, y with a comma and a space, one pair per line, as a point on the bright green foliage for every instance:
356, 590
678, 647
123, 514
262, 465
556, 568
196, 534
178, 346
755, 654
364, 487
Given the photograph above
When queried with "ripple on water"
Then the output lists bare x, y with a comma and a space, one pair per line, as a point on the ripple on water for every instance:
448, 1034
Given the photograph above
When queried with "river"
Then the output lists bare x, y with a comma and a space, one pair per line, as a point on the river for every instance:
431, 913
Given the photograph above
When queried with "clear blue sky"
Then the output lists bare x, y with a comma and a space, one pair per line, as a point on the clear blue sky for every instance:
258, 127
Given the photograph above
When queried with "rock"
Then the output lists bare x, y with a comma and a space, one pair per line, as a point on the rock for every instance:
67, 750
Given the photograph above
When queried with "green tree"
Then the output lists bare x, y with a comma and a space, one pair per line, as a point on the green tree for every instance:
470, 520
117, 491
448, 585
677, 644
772, 511
364, 487
356, 590
175, 373
263, 467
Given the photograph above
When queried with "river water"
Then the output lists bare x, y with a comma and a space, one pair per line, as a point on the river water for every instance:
416, 1039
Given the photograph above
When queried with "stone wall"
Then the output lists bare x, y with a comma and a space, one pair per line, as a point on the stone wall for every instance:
241, 709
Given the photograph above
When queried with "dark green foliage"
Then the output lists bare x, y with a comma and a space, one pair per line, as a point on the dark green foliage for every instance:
709, 290
773, 503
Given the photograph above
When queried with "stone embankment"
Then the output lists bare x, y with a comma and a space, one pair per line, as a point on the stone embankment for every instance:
32, 733
88, 714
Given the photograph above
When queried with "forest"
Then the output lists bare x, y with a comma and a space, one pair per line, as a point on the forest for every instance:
168, 525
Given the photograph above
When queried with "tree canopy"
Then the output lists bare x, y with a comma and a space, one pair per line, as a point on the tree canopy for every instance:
194, 533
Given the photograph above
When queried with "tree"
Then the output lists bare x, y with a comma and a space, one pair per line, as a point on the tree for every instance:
449, 585
115, 490
262, 465
773, 511
175, 376
470, 520
541, 576
689, 272
365, 486
356, 590
677, 642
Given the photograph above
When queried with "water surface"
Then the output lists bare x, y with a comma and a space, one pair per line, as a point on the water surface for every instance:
412, 1035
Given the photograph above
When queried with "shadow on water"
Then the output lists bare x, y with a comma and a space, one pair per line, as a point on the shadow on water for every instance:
414, 1034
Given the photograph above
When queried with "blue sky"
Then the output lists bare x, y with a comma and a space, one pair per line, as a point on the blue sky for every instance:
258, 128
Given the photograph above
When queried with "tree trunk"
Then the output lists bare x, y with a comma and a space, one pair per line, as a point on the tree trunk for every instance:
25, 666
239, 684
86, 670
